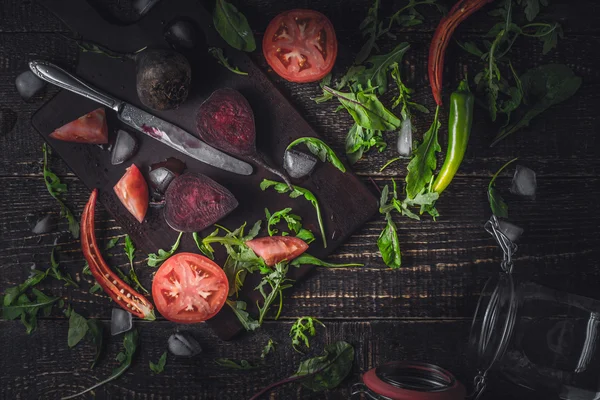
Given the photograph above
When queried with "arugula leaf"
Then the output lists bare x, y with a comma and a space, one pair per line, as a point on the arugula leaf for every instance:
297, 191
543, 86
269, 347
239, 308
307, 259
12, 293
217, 53
95, 332
412, 17
366, 109
319, 149
294, 224
302, 329
233, 26
130, 341
78, 328
130, 253
159, 367
254, 231
497, 203
206, 250
377, 73
56, 189
56, 273
233, 364
404, 95
423, 163
22, 307
156, 259
277, 282
360, 140
371, 28
96, 287
112, 243
532, 7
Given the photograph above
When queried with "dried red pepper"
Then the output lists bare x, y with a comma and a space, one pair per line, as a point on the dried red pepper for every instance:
441, 38
119, 291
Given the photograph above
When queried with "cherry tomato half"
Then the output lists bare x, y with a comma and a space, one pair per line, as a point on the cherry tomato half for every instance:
189, 288
300, 45
132, 190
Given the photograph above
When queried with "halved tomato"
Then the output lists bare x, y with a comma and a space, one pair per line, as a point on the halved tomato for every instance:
90, 128
189, 288
300, 45
132, 190
275, 249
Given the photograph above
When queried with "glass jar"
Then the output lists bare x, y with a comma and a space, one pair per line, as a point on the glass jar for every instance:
538, 338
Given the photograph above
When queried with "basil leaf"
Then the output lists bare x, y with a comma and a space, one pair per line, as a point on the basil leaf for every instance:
328, 370
423, 163
233, 26
159, 367
319, 149
78, 328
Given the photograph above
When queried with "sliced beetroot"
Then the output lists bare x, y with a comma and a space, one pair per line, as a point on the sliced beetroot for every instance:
275, 249
161, 178
226, 121
125, 147
90, 128
194, 202
173, 164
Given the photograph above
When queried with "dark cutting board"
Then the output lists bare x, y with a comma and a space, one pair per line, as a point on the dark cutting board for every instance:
346, 203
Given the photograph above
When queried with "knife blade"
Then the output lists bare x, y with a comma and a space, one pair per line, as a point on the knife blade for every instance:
157, 128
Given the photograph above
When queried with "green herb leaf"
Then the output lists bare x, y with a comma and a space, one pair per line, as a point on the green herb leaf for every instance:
307, 259
544, 86
302, 329
156, 259
56, 189
95, 331
294, 223
112, 243
297, 191
217, 53
22, 307
404, 95
159, 367
269, 347
532, 7
233, 364
369, 27
56, 273
239, 308
366, 109
360, 140
130, 341
389, 245
328, 370
319, 149
233, 26
276, 282
78, 328
423, 163
96, 287
377, 73
130, 253
497, 203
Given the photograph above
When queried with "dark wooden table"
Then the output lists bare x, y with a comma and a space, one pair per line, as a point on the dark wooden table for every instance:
420, 312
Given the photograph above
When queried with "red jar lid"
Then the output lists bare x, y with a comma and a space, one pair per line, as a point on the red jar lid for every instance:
401, 380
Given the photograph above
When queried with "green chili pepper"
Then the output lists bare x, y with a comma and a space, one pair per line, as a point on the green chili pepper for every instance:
459, 130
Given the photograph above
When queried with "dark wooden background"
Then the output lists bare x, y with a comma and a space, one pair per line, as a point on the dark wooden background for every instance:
420, 312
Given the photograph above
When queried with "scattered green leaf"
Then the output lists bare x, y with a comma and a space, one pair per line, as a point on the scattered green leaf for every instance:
156, 259
95, 332
307, 259
269, 348
56, 273
497, 203
217, 53
78, 328
130, 253
233, 26
159, 367
239, 308
302, 329
233, 364
276, 281
319, 149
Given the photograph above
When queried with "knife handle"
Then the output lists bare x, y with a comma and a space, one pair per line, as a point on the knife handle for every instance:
61, 78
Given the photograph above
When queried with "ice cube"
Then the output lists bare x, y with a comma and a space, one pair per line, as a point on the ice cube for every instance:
161, 178
120, 321
298, 164
183, 344
524, 182
511, 231
141, 7
45, 224
405, 141
125, 147
28, 85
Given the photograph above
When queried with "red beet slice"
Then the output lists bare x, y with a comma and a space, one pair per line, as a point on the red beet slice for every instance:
226, 121
194, 202
89, 128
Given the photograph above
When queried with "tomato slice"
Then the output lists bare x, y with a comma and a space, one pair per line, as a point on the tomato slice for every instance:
189, 288
90, 128
300, 45
132, 190
275, 249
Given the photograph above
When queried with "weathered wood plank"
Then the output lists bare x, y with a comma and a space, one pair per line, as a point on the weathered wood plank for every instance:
445, 263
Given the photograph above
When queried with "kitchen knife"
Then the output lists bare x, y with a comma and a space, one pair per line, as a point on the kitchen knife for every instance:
158, 129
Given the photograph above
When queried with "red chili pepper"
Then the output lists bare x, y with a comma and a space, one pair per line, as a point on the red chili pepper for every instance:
441, 38
119, 291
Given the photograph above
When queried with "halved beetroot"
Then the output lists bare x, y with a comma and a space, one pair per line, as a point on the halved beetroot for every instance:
194, 202
276, 249
90, 128
132, 190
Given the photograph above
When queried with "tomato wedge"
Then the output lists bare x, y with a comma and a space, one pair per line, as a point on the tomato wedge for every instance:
275, 249
90, 128
300, 45
189, 288
132, 190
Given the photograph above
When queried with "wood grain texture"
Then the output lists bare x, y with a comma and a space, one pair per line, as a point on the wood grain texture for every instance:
419, 312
